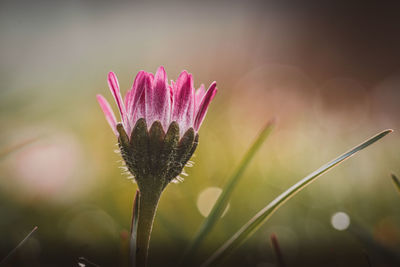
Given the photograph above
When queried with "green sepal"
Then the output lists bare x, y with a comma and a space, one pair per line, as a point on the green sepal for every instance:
139, 144
182, 151
125, 147
168, 152
123, 138
191, 152
156, 142
154, 157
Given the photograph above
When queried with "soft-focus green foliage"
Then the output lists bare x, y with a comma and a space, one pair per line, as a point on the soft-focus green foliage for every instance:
70, 184
263, 215
222, 201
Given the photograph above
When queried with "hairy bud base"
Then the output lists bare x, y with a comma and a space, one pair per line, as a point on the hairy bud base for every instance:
154, 157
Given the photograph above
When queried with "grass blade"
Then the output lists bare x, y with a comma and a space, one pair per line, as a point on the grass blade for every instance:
251, 226
223, 199
12, 252
277, 249
396, 181
4, 152
132, 242
82, 261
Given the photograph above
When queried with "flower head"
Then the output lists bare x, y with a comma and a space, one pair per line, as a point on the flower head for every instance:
157, 134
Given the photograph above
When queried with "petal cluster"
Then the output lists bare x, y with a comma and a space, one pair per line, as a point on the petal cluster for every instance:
154, 99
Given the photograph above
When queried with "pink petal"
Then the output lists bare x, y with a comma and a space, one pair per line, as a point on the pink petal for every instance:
188, 119
128, 100
171, 96
199, 95
151, 76
133, 96
160, 100
108, 112
140, 108
128, 103
183, 95
205, 102
114, 87
149, 102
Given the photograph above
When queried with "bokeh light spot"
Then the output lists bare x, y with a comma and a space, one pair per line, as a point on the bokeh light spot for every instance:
340, 221
207, 199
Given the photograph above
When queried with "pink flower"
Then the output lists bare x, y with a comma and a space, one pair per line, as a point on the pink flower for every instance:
157, 136
153, 99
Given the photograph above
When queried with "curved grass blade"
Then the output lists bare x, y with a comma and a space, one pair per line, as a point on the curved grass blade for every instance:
12, 252
83, 262
4, 152
135, 217
396, 181
261, 217
222, 202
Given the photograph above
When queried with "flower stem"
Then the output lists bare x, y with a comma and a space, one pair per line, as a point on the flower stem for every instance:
132, 241
148, 203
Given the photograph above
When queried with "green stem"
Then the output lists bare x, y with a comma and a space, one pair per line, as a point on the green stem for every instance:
148, 202
132, 241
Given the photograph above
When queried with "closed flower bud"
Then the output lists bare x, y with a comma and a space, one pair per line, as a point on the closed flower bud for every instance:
158, 132
157, 136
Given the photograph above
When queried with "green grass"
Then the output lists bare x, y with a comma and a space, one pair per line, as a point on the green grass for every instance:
223, 199
263, 215
396, 181
6, 151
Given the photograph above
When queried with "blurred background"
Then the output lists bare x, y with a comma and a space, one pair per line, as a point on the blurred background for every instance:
328, 70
